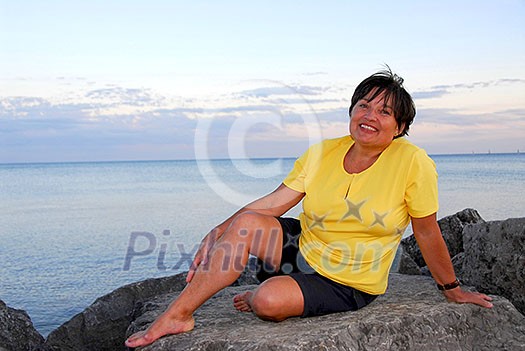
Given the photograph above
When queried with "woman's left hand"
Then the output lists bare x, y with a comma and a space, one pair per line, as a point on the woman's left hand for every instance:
458, 295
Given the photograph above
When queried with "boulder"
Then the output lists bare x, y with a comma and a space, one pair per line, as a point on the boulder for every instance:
17, 332
494, 259
452, 231
412, 315
407, 265
457, 263
102, 325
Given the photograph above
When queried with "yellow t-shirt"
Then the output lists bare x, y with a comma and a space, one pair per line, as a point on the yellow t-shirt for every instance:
352, 223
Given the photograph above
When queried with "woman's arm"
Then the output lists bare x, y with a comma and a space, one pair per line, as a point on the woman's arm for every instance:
437, 257
274, 204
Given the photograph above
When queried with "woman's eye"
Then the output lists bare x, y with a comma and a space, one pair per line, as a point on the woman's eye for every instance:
386, 112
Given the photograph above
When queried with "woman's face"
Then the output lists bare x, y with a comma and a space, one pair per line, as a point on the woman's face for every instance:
372, 123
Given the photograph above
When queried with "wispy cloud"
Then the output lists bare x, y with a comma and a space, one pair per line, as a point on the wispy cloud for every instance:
455, 117
484, 84
103, 125
264, 92
319, 73
129, 123
429, 94
438, 91
126, 96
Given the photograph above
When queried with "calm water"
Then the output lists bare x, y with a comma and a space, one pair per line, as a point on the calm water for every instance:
65, 228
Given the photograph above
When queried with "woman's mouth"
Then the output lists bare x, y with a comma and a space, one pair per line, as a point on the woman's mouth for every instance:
367, 127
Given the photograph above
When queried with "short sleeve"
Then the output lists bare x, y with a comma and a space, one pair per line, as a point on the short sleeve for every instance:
421, 193
296, 177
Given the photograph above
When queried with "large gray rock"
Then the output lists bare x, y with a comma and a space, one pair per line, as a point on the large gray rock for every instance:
412, 315
407, 265
494, 259
17, 332
102, 325
452, 231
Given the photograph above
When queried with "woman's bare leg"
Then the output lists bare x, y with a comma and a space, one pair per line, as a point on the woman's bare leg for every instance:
276, 299
249, 233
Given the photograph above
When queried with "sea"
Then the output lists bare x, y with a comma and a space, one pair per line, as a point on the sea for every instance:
72, 232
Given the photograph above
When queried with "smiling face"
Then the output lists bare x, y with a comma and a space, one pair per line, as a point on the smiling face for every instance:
372, 123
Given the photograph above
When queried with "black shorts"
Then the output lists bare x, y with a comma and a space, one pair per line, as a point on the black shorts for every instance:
321, 295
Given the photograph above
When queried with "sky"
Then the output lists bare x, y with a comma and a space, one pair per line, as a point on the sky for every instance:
105, 80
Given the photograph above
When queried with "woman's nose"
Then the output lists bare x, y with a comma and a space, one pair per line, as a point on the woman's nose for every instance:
370, 115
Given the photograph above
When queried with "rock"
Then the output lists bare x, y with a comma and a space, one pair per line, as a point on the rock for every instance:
17, 332
102, 325
412, 315
451, 229
457, 263
408, 266
494, 259
426, 271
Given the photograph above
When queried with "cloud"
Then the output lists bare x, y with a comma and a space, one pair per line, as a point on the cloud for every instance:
18, 103
454, 117
484, 84
233, 110
36, 127
265, 92
319, 73
438, 91
124, 96
429, 94
124, 123
442, 131
24, 116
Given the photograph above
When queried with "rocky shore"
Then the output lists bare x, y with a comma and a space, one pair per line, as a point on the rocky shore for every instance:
412, 315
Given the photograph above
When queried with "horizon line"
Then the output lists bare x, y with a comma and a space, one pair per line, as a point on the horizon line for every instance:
518, 152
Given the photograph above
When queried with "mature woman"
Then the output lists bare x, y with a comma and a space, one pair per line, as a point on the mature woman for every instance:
359, 194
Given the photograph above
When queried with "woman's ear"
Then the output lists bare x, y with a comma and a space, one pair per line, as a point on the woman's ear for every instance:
400, 129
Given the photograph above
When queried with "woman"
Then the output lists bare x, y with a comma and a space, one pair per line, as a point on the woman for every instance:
359, 194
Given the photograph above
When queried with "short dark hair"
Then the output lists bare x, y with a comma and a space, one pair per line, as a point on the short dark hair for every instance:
392, 85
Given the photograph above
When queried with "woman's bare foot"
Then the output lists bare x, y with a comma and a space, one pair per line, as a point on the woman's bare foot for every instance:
242, 302
164, 325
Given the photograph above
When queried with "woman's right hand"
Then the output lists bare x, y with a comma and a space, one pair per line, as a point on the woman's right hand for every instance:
202, 255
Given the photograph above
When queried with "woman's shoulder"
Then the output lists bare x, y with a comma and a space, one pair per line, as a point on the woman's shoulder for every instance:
334, 143
403, 151
404, 146
320, 150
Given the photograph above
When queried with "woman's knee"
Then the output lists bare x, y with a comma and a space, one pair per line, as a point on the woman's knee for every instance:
266, 305
240, 230
259, 233
277, 299
254, 226
246, 223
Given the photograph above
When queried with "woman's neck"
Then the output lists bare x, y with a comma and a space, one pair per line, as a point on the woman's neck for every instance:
359, 158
